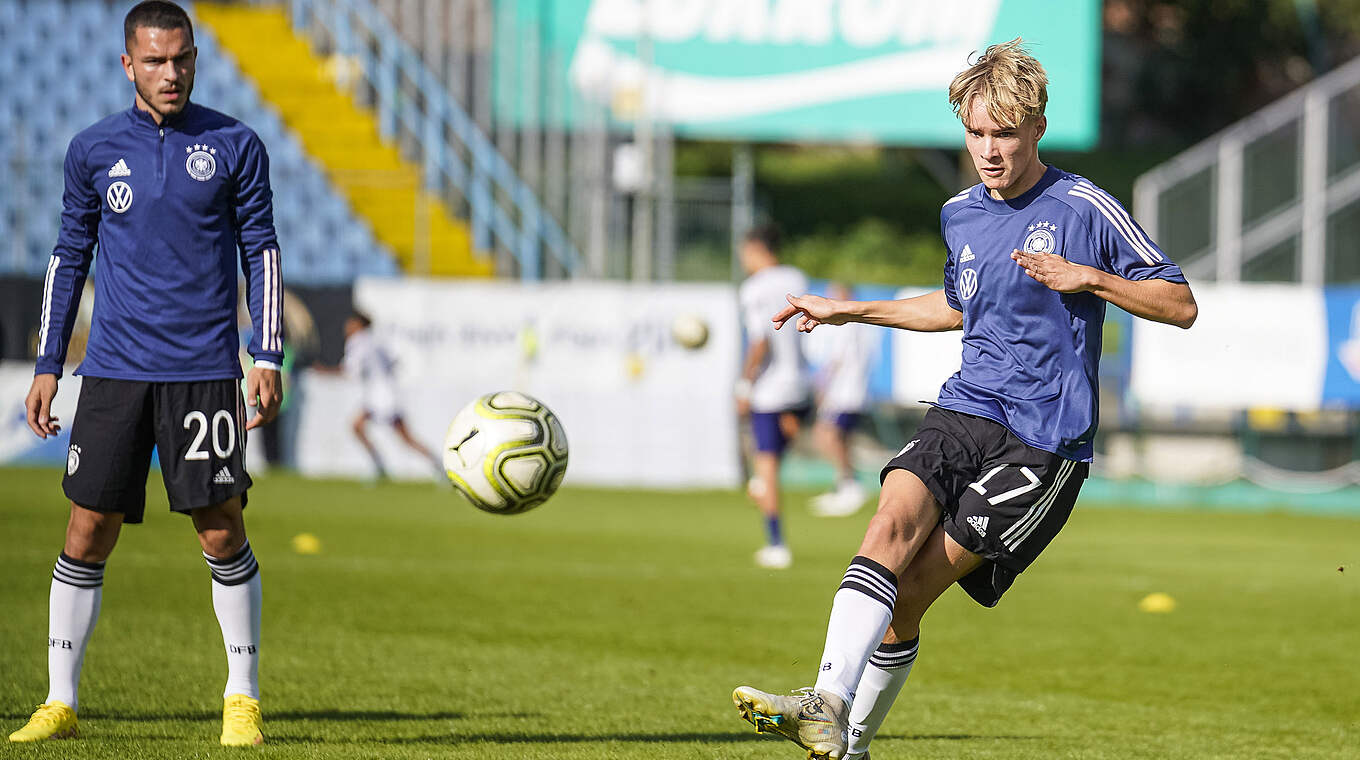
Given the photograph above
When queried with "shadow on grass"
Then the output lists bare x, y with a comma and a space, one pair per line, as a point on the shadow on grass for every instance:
287, 737
372, 716
958, 737
683, 737
516, 737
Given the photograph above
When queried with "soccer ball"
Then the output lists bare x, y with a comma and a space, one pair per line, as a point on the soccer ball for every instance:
506, 452
690, 331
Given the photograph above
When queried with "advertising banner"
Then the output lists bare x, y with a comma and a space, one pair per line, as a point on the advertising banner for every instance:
921, 362
1252, 346
18, 444
818, 70
639, 409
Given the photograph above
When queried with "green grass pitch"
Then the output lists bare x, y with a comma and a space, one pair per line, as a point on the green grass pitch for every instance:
614, 624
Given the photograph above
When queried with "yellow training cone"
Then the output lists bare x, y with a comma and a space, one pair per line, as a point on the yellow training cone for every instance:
1157, 602
306, 543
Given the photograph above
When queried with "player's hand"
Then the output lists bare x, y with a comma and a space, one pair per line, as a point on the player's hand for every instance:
264, 391
1054, 272
812, 311
39, 406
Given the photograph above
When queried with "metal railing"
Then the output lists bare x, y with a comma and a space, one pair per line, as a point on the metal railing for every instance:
1272, 197
415, 109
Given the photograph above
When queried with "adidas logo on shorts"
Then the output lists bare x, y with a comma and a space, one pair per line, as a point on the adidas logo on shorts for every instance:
979, 523
223, 477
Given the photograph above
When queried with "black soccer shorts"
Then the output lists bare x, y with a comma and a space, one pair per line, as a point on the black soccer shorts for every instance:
196, 427
1001, 498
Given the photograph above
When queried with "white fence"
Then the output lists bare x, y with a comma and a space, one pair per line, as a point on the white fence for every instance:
1274, 197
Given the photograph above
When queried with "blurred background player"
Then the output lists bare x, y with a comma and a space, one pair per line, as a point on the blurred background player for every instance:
775, 385
844, 392
370, 365
161, 368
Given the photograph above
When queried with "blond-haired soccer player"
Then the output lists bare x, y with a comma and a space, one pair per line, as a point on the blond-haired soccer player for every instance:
1034, 255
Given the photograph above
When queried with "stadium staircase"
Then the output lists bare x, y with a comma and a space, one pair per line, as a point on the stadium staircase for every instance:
382, 187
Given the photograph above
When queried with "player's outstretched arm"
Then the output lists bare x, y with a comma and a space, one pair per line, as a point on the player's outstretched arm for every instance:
1155, 299
928, 313
38, 405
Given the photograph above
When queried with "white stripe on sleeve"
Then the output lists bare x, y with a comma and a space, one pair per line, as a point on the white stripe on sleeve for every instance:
48, 281
1120, 221
275, 302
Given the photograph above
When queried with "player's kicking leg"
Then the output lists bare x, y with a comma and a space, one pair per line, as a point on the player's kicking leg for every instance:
860, 615
236, 594
939, 564
73, 608
1008, 502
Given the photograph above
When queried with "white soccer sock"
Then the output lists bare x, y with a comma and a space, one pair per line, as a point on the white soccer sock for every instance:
883, 679
236, 596
73, 608
860, 615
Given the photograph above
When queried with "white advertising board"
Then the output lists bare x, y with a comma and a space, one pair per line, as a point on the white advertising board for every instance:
18, 444
1252, 346
921, 362
638, 408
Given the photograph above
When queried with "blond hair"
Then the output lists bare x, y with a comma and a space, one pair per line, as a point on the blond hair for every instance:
1011, 82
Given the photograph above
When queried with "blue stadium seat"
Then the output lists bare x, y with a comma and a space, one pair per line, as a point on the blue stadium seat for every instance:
324, 242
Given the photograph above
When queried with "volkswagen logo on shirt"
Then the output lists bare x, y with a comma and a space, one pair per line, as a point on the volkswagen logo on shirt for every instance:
119, 196
968, 284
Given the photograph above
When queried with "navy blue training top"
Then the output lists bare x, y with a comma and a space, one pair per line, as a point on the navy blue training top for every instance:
1030, 354
169, 206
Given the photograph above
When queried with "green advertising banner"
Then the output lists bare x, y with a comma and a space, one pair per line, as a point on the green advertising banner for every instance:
786, 70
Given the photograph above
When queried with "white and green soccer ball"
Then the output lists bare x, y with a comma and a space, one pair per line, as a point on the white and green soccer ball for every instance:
506, 452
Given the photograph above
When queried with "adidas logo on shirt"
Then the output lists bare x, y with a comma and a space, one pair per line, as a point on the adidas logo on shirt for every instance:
223, 477
979, 523
967, 254
120, 169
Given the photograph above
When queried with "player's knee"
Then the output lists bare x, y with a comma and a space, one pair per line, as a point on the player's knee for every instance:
91, 535
901, 513
221, 529
222, 542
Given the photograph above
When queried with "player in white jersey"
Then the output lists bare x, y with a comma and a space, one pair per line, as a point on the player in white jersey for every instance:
775, 385
369, 364
844, 394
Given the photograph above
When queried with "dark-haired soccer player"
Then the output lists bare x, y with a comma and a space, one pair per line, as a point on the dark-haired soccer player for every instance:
1034, 255
177, 197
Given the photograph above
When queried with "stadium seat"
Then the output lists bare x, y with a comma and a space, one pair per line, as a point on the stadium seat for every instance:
323, 241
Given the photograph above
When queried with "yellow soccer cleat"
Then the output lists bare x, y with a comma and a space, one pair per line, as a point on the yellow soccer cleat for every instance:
52, 720
241, 722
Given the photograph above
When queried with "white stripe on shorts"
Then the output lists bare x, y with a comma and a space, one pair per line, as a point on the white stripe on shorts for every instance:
1017, 533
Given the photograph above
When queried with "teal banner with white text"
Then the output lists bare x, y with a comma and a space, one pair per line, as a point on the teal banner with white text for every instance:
785, 70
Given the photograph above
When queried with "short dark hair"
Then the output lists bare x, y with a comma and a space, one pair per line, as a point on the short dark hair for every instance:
157, 14
767, 235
